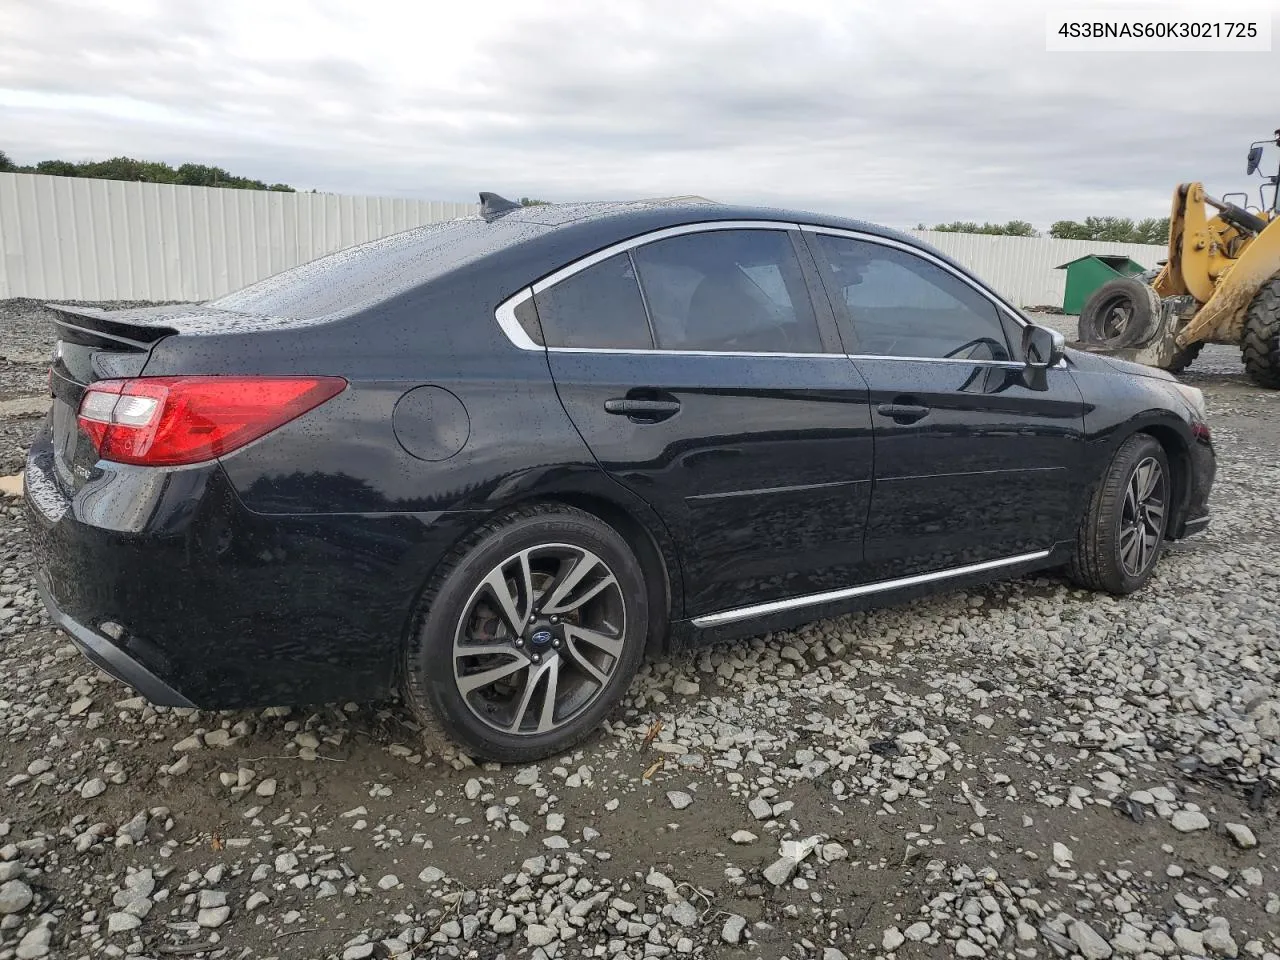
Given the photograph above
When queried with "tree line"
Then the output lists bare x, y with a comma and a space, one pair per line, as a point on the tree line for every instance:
145, 171
1108, 229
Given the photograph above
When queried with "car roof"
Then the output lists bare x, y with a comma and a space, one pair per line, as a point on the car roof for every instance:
512, 248
559, 214
681, 210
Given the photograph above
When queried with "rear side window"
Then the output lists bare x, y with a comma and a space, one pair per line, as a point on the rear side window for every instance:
902, 305
728, 290
599, 307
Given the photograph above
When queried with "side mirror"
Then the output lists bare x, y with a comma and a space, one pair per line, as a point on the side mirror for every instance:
1041, 347
1255, 158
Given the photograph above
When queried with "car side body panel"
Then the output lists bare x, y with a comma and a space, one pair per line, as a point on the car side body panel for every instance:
992, 470
1123, 399
763, 476
976, 459
289, 571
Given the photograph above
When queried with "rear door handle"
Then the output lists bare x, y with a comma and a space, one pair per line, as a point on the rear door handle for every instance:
645, 411
902, 412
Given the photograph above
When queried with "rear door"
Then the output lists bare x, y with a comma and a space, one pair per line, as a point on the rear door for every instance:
975, 461
702, 377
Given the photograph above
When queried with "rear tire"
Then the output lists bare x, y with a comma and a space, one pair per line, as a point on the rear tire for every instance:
1121, 534
1261, 347
546, 603
1120, 313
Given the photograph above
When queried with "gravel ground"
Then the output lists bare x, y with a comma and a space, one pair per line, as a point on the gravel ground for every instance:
1021, 771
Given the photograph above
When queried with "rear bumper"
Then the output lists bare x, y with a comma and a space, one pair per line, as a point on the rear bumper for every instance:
109, 658
165, 580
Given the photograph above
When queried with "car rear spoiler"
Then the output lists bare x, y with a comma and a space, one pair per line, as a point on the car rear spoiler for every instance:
94, 327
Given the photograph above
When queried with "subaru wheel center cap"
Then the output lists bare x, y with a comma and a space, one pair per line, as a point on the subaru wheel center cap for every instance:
541, 637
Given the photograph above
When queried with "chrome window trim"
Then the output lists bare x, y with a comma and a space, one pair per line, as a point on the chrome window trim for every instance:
646, 238
1007, 364
505, 314
506, 317
996, 300
640, 351
813, 599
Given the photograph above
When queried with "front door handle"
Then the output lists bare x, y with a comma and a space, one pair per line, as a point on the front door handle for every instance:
642, 411
902, 412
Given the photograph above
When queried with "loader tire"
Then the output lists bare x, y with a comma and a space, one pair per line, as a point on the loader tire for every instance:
1120, 313
1261, 347
1185, 357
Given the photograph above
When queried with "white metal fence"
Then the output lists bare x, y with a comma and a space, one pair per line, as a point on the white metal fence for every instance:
70, 238
1023, 268
67, 238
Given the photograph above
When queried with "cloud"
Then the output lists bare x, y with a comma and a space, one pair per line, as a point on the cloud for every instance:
898, 112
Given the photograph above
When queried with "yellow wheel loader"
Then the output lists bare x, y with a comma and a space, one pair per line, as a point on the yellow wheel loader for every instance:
1220, 284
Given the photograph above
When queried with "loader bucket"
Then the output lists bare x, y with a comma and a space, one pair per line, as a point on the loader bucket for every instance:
1221, 319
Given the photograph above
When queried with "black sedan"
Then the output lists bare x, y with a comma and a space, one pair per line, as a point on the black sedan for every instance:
490, 464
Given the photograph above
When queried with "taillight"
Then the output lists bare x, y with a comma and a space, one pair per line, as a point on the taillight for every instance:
169, 421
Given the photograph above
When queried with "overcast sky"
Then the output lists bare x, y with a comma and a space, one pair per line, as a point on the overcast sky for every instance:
894, 110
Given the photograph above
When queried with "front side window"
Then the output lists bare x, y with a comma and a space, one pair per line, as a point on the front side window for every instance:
728, 290
902, 305
597, 308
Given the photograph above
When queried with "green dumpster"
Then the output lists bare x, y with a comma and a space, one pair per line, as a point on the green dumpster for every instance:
1087, 274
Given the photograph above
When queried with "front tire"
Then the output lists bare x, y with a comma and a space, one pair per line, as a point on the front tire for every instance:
531, 630
1261, 347
1121, 534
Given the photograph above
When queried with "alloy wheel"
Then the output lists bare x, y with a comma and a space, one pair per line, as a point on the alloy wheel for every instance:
539, 639
1142, 517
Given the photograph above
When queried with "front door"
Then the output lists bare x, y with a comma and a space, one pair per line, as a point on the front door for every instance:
698, 371
975, 460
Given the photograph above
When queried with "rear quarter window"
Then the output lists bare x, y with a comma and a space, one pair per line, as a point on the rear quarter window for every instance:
598, 308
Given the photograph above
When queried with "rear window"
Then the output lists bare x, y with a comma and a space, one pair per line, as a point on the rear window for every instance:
350, 280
